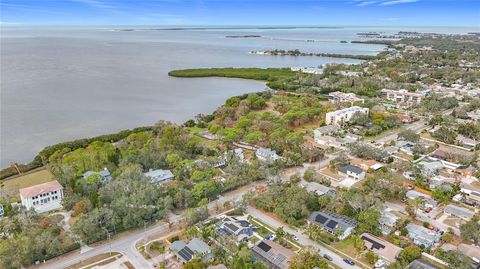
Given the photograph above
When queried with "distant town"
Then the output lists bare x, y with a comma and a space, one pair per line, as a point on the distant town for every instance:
373, 165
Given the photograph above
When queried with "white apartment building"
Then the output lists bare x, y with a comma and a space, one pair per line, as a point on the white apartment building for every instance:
43, 197
341, 116
403, 97
342, 97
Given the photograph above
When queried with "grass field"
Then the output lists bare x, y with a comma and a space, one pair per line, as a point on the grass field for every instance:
11, 186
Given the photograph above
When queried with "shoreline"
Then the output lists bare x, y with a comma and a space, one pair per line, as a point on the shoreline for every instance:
37, 161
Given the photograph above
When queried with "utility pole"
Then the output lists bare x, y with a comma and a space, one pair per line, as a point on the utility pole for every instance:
110, 243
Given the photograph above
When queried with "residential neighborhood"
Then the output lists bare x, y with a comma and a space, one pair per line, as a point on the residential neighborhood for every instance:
371, 165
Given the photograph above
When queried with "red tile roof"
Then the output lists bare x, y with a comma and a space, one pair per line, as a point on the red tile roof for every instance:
40, 188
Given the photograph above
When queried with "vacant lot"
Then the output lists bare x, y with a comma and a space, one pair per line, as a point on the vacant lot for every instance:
11, 186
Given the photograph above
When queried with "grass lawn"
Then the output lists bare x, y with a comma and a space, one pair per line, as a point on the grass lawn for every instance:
383, 134
99, 259
12, 186
346, 246
253, 239
196, 130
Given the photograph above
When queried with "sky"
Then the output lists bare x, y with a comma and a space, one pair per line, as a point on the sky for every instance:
242, 12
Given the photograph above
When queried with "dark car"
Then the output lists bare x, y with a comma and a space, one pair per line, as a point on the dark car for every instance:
349, 261
327, 257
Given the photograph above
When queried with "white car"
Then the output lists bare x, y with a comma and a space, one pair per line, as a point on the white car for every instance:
295, 238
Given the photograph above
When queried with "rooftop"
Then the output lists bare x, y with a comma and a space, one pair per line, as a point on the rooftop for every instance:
188, 251
352, 168
348, 110
274, 253
318, 188
459, 211
422, 235
40, 188
159, 175
328, 129
421, 264
470, 250
331, 221
382, 248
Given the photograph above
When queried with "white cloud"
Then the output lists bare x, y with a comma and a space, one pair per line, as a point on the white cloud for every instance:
362, 3
95, 3
366, 3
396, 2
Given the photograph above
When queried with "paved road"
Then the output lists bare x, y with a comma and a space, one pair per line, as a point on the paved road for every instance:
416, 126
303, 239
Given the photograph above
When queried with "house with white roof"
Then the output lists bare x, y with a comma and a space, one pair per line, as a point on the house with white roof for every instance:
43, 197
159, 176
342, 97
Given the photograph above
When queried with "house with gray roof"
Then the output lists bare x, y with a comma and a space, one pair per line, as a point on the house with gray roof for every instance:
272, 254
336, 224
352, 171
266, 155
422, 236
430, 169
326, 130
421, 264
159, 176
388, 222
319, 189
196, 248
105, 174
459, 212
428, 200
240, 228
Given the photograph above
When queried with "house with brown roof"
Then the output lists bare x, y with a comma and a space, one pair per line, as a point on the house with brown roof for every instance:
366, 164
272, 254
384, 249
43, 197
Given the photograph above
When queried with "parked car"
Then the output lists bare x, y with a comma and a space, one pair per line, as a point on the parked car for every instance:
349, 261
428, 210
411, 187
270, 237
295, 238
327, 257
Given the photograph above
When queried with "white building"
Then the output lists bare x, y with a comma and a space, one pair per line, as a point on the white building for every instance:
403, 97
159, 176
43, 197
352, 171
342, 97
341, 116
266, 155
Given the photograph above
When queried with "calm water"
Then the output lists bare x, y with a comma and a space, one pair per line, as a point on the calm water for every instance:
62, 83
